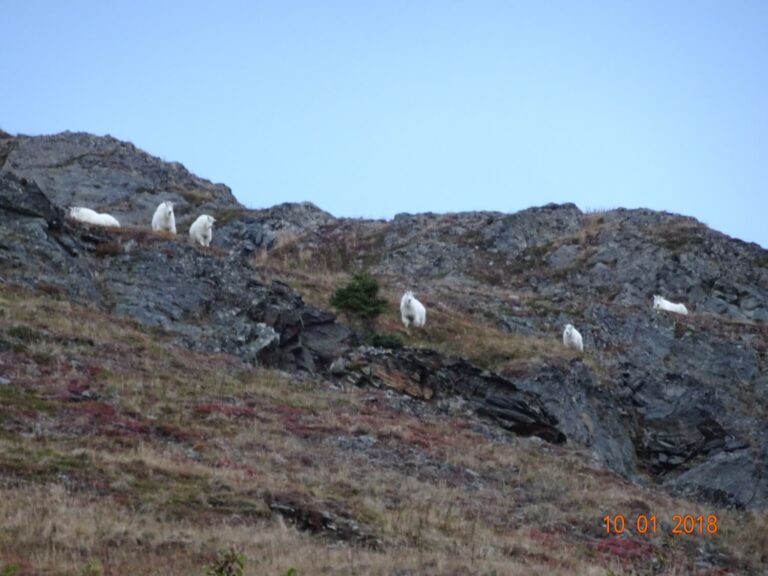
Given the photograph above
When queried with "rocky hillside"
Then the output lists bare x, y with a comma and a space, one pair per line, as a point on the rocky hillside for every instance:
678, 400
187, 352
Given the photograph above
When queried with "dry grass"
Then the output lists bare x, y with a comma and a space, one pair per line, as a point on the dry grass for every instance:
195, 196
176, 455
344, 246
456, 332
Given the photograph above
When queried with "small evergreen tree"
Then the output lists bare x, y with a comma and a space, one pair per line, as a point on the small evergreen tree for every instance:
359, 300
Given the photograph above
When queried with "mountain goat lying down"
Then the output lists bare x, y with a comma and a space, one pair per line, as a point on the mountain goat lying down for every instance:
572, 338
92, 217
660, 303
412, 311
201, 230
164, 220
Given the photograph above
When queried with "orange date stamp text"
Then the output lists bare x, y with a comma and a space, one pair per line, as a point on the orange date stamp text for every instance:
647, 524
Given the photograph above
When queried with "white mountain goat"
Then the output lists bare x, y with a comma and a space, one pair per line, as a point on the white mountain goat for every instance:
201, 230
660, 303
164, 218
572, 338
90, 216
412, 311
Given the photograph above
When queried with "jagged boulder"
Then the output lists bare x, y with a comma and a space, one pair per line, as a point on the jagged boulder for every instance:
21, 197
247, 231
586, 411
101, 172
734, 478
33, 250
512, 234
430, 376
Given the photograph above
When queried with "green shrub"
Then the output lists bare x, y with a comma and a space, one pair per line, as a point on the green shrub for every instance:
391, 341
10, 570
91, 568
229, 562
359, 300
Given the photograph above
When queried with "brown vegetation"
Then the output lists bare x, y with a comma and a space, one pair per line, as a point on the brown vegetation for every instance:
123, 454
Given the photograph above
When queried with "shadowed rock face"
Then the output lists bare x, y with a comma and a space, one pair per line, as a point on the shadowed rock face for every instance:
211, 303
682, 401
430, 376
33, 251
24, 198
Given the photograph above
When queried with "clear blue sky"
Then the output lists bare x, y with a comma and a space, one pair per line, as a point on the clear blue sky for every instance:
372, 108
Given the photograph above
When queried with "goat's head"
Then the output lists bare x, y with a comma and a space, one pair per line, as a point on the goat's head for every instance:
167, 208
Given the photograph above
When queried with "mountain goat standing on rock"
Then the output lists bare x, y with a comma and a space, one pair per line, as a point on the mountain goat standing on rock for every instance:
572, 338
660, 303
201, 230
92, 217
164, 218
412, 311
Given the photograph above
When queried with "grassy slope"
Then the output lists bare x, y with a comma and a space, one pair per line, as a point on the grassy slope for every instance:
122, 454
